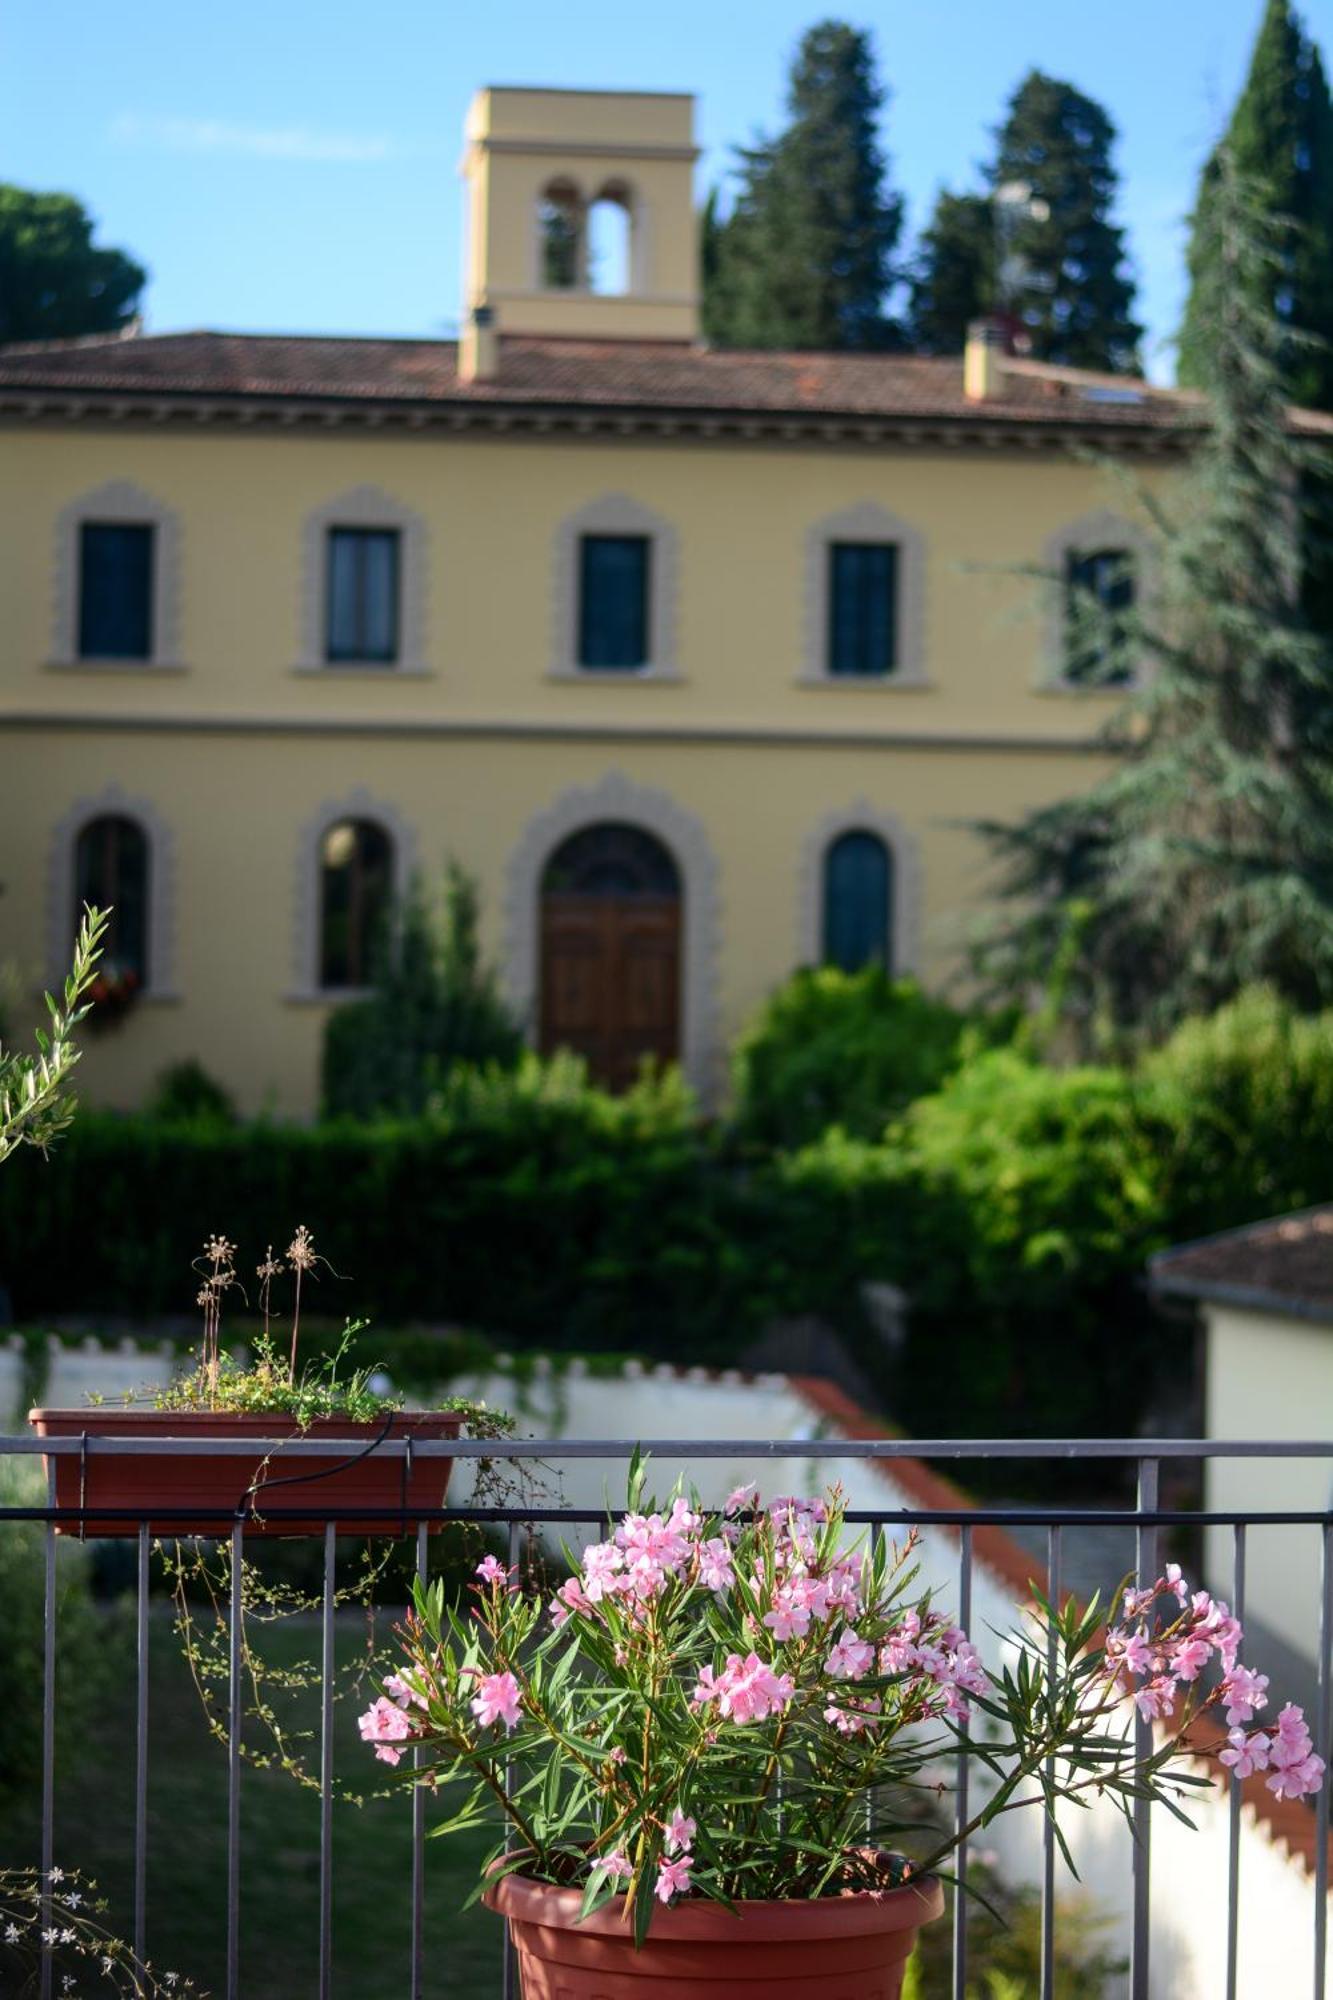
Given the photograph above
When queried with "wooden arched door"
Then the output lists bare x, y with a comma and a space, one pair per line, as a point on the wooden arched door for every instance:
611, 951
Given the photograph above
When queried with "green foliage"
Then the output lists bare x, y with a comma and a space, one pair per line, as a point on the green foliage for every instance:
435, 1005
839, 1048
1204, 861
36, 1103
54, 281
186, 1091
1059, 274
1281, 136
805, 257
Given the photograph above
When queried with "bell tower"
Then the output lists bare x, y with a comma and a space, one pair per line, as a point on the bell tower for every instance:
580, 217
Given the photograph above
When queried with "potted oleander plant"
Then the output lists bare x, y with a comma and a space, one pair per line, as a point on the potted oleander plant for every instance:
703, 1754
272, 1398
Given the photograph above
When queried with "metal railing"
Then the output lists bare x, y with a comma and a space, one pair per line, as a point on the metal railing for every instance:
1146, 1518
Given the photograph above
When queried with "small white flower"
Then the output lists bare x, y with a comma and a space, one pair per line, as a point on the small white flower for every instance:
73, 1899
12, 1933
68, 1935
51, 1937
57, 1874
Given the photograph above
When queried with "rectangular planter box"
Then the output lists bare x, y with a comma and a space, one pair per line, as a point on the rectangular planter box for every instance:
349, 1478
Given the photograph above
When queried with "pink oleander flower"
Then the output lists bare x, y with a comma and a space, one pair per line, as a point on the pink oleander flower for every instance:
851, 1658
617, 1866
1244, 1692
1175, 1582
1188, 1657
680, 1833
849, 1718
571, 1596
790, 1616
491, 1571
405, 1696
385, 1725
496, 1700
673, 1878
741, 1500
1156, 1698
1245, 1754
747, 1690
602, 1566
715, 1570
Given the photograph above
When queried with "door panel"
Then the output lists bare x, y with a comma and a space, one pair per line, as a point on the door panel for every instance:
610, 981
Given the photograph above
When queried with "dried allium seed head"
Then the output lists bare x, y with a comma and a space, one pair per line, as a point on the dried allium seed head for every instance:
301, 1250
218, 1250
271, 1266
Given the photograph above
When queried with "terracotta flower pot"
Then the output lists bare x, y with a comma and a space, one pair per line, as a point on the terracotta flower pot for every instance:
849, 1947
350, 1477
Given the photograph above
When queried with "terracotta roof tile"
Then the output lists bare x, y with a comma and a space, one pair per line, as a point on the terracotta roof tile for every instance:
1284, 1264
588, 373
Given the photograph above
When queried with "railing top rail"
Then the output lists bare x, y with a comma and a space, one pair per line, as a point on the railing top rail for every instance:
28, 1445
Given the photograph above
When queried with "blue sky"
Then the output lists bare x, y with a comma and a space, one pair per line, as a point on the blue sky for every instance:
286, 166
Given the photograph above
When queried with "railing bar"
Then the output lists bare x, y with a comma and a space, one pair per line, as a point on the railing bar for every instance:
1048, 1824
1234, 1795
510, 1971
903, 1517
141, 1755
48, 1737
1326, 1752
876, 1542
419, 1834
1146, 1569
327, 1669
961, 1808
234, 1762
832, 1446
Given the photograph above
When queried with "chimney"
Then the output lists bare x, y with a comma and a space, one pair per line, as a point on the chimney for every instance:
479, 347
983, 360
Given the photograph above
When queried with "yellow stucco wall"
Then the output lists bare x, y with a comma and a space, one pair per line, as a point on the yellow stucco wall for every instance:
236, 753
1270, 1376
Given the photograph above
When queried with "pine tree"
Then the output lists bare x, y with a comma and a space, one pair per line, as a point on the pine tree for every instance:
1204, 861
1280, 135
54, 280
954, 282
805, 258
1061, 277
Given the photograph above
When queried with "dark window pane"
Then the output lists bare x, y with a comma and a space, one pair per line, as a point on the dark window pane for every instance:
858, 903
363, 594
356, 890
613, 601
863, 608
558, 222
115, 591
611, 859
1099, 596
111, 871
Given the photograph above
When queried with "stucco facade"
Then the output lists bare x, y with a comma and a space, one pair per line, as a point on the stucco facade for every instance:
731, 745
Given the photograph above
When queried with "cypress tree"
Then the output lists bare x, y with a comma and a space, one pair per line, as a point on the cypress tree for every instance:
954, 280
805, 258
1281, 136
1062, 277
1204, 860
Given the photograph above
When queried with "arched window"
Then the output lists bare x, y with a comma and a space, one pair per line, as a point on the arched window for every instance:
610, 227
858, 902
560, 232
355, 898
611, 859
111, 865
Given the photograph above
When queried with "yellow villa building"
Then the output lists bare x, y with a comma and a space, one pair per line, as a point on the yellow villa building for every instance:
699, 662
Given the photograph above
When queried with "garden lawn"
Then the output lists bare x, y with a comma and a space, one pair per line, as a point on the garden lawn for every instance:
187, 1851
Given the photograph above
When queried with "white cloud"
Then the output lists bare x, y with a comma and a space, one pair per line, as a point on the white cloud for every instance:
258, 142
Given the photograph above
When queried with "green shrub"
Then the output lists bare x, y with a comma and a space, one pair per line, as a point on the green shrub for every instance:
185, 1091
435, 1005
839, 1048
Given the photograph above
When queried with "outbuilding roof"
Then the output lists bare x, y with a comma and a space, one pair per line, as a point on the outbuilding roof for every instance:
1282, 1265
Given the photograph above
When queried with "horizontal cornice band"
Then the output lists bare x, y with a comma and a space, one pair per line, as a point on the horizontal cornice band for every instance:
276, 413
70, 722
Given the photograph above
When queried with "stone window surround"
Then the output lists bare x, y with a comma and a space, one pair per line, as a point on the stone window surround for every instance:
1103, 528
363, 507
356, 804
118, 500
867, 521
615, 514
614, 797
904, 852
112, 800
